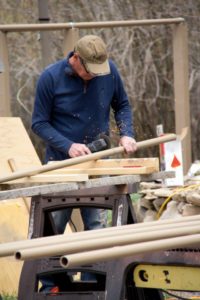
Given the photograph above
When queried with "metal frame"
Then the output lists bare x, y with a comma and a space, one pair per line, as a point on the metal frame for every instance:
108, 281
71, 33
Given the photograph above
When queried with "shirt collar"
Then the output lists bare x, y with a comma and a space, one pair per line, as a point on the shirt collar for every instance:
68, 69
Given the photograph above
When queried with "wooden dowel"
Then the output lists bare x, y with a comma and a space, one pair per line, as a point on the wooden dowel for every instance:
85, 158
8, 249
14, 168
69, 25
128, 250
99, 243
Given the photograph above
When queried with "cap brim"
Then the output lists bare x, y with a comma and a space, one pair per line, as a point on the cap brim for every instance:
98, 69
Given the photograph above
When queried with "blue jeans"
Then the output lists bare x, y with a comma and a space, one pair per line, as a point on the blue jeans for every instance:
93, 218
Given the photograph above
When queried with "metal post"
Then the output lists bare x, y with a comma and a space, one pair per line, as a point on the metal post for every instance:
5, 97
45, 39
181, 89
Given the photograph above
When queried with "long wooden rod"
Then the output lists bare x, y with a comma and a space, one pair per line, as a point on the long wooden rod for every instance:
10, 248
14, 168
99, 243
84, 25
106, 254
85, 158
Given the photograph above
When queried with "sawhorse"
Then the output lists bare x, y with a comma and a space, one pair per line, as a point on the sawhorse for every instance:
110, 276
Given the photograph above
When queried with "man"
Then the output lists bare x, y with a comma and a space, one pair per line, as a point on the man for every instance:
72, 107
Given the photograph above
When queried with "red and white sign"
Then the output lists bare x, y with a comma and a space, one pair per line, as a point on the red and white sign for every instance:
174, 162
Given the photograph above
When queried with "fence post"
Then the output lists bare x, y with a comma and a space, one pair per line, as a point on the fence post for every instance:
45, 36
70, 38
5, 97
181, 89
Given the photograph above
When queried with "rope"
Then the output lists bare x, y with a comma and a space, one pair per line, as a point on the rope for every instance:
190, 187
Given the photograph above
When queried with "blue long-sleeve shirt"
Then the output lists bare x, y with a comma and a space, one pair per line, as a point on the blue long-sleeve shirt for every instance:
68, 110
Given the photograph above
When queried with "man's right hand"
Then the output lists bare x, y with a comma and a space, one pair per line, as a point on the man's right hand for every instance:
78, 150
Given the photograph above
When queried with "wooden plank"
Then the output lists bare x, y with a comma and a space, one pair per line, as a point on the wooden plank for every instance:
113, 163
54, 189
52, 178
13, 226
126, 170
142, 162
82, 174
15, 143
131, 170
94, 168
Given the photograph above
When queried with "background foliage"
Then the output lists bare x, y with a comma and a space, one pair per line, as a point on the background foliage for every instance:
143, 56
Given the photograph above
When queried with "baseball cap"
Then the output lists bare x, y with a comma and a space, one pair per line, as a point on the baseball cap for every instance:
92, 51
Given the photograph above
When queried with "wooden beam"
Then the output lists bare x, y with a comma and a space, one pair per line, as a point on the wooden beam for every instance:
5, 97
51, 178
71, 36
129, 170
81, 172
85, 25
181, 89
112, 163
45, 36
78, 175
128, 166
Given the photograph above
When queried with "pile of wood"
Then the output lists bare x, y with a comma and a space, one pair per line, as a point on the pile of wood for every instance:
157, 201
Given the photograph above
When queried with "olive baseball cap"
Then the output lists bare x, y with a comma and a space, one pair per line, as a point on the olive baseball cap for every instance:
93, 53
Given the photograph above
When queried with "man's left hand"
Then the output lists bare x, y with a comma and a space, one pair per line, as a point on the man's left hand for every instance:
128, 143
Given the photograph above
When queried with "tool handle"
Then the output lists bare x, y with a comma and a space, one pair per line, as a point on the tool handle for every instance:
85, 158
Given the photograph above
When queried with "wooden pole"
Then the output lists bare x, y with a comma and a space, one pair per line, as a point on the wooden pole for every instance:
71, 36
13, 168
127, 250
104, 242
181, 89
5, 97
85, 25
85, 158
45, 37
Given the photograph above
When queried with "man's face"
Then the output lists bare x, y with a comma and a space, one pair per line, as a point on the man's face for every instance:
81, 70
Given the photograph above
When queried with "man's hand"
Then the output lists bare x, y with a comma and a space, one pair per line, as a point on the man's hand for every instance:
128, 143
78, 150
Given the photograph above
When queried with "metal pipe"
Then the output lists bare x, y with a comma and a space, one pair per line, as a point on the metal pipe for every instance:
85, 25
10, 248
99, 243
128, 250
85, 158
